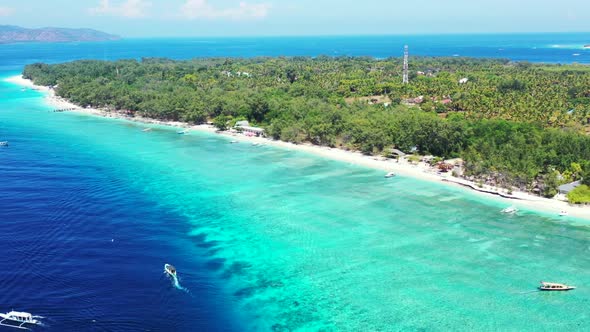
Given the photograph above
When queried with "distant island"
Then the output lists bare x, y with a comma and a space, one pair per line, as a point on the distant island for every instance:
15, 34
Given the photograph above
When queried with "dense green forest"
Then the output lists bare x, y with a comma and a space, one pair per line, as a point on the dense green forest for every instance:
514, 124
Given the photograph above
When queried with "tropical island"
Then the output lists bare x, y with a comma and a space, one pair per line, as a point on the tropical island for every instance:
15, 34
519, 126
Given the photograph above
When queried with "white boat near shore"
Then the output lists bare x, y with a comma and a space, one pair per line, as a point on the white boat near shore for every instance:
4, 143
510, 210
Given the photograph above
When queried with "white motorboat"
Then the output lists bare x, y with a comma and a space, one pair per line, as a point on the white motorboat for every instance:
147, 129
551, 286
234, 142
170, 270
563, 213
510, 210
390, 175
4, 143
19, 320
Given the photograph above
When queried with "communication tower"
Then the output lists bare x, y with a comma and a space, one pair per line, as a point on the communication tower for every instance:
406, 57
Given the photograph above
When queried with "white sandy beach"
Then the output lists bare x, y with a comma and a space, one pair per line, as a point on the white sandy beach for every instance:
421, 171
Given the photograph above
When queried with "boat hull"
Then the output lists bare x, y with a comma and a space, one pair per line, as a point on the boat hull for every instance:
556, 289
169, 269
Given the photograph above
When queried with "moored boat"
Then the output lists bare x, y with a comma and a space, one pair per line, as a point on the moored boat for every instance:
510, 210
390, 175
19, 320
552, 286
563, 213
4, 143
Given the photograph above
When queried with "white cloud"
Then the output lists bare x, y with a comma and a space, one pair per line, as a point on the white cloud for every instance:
5, 11
194, 9
127, 8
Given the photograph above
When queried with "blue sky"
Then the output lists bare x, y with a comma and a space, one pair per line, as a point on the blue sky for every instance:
162, 18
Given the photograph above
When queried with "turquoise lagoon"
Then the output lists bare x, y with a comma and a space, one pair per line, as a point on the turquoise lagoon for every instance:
295, 242
264, 238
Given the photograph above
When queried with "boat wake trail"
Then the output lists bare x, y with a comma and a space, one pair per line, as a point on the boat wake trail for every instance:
171, 272
176, 284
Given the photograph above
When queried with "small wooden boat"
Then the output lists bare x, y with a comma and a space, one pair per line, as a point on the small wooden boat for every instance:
171, 270
390, 175
4, 143
551, 286
19, 320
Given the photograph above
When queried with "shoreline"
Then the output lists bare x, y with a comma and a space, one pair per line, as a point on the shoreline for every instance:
418, 171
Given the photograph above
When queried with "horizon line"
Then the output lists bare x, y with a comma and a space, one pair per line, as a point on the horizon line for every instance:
362, 35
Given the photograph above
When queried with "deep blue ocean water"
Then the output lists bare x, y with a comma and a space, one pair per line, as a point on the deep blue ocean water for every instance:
550, 48
263, 238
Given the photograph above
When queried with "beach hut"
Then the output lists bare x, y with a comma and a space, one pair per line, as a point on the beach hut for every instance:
567, 188
455, 161
242, 124
397, 153
252, 130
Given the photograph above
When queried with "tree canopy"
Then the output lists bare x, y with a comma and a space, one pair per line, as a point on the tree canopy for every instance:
521, 124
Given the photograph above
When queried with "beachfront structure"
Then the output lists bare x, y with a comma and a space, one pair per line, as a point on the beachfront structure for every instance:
253, 130
566, 188
244, 126
242, 123
397, 153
